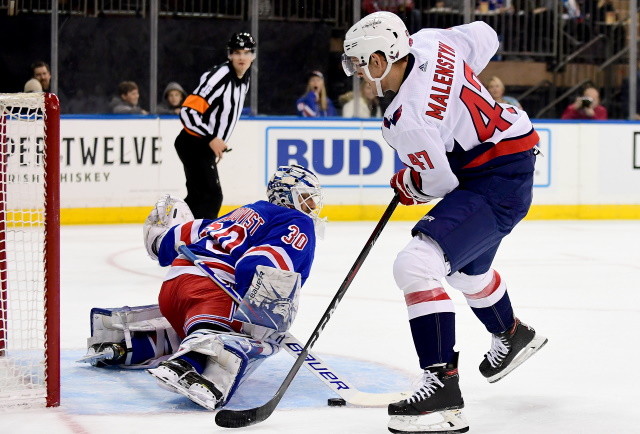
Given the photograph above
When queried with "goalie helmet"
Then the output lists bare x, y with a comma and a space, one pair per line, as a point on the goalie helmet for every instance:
241, 41
296, 187
379, 31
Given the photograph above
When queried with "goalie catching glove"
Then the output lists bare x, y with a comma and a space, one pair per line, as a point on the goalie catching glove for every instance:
168, 212
408, 184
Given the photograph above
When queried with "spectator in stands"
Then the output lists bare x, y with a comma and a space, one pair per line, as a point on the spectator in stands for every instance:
173, 97
368, 104
32, 85
496, 89
405, 9
127, 100
40, 71
587, 106
315, 103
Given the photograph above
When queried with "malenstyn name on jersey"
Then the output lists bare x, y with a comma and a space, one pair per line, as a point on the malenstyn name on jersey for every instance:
445, 66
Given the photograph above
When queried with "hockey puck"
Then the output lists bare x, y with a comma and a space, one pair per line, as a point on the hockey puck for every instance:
336, 402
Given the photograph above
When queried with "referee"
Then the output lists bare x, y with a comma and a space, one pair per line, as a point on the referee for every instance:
208, 117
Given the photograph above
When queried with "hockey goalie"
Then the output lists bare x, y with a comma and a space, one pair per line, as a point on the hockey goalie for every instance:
226, 300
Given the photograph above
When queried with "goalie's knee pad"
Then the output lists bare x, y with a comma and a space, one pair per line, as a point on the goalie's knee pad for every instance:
231, 358
126, 326
167, 212
422, 259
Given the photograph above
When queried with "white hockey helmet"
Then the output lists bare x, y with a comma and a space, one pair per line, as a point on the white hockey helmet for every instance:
296, 187
379, 31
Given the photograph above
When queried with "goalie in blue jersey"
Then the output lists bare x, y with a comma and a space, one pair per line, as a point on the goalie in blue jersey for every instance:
217, 326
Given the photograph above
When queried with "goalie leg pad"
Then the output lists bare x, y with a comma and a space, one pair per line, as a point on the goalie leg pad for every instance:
271, 302
129, 328
167, 212
231, 358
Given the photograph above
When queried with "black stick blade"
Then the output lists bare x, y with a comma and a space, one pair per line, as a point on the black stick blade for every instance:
243, 418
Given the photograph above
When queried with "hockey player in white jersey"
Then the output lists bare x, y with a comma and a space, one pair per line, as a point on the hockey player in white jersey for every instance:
477, 156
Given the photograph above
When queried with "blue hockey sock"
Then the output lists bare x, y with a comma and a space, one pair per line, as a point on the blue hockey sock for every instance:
434, 338
498, 317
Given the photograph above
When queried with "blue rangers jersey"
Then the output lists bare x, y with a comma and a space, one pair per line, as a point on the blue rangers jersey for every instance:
233, 245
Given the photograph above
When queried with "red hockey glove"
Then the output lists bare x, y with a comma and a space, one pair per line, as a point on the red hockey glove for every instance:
406, 183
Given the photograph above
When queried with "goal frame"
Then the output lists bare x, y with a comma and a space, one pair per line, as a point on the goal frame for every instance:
51, 252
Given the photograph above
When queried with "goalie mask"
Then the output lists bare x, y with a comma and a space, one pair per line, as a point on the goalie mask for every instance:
298, 188
379, 31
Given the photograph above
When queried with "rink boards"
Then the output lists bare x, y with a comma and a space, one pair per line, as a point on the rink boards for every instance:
113, 168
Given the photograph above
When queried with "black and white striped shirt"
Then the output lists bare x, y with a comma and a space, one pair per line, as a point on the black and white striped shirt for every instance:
213, 109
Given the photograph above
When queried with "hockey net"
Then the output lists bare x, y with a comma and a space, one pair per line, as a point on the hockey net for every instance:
29, 250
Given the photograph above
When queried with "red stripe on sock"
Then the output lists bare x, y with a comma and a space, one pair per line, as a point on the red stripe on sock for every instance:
489, 289
425, 296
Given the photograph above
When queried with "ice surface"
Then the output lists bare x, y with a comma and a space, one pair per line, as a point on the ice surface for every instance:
576, 282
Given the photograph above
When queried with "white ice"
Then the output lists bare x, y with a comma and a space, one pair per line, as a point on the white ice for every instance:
576, 282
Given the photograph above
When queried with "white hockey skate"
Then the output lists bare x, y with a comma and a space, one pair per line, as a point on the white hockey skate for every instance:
179, 376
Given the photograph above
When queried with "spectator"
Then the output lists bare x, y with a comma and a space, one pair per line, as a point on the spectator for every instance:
315, 103
173, 97
208, 117
32, 85
368, 104
496, 89
587, 106
127, 100
40, 71
405, 9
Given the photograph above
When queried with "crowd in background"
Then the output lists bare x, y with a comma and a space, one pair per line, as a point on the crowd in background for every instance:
315, 102
582, 19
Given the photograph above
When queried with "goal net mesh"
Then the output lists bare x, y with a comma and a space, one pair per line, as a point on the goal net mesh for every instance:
22, 246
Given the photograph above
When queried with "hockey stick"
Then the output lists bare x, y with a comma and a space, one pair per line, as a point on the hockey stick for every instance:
244, 418
336, 382
333, 380
181, 247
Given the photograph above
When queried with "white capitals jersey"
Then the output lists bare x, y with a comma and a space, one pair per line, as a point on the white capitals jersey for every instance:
441, 106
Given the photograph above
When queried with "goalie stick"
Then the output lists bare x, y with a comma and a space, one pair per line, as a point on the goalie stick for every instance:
332, 379
244, 418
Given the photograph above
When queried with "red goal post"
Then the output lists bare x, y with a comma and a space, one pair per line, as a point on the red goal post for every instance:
29, 250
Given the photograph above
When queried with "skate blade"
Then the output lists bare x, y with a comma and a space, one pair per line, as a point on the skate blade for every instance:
163, 381
201, 399
532, 347
440, 422
95, 357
